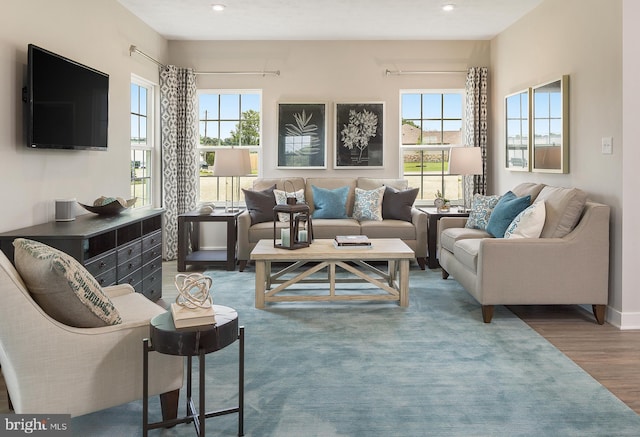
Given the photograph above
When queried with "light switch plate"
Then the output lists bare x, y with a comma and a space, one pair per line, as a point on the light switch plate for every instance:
607, 145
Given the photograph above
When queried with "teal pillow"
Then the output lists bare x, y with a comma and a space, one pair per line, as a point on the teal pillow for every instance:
329, 204
507, 208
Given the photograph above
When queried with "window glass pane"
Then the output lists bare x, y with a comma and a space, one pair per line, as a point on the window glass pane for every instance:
143, 131
555, 105
541, 104
209, 133
452, 106
250, 102
208, 107
229, 134
135, 105
432, 106
135, 133
229, 107
452, 132
411, 132
411, 106
143, 101
432, 132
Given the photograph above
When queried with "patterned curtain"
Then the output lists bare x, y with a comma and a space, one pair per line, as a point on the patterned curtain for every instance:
179, 126
476, 126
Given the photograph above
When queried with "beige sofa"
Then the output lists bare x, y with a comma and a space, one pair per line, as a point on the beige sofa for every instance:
413, 233
567, 264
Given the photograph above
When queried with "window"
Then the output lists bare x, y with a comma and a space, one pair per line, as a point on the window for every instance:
431, 122
227, 118
142, 143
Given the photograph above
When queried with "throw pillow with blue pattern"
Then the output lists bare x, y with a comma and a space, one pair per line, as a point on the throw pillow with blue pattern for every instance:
368, 204
481, 208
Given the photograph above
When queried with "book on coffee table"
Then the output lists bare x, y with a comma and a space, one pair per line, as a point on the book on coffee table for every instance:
352, 241
184, 317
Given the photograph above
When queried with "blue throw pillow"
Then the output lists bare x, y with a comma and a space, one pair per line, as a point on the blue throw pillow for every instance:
507, 208
329, 204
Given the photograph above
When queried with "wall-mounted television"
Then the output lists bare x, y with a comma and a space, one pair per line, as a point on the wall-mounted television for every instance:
68, 103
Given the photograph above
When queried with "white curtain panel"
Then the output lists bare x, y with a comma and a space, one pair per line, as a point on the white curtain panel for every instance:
179, 126
476, 125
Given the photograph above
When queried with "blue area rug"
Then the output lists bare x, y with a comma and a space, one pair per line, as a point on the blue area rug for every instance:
376, 369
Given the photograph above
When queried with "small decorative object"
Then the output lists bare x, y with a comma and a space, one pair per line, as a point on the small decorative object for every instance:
109, 205
441, 203
299, 230
194, 304
206, 208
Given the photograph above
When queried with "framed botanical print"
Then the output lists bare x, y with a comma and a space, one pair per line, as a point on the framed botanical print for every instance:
302, 135
359, 135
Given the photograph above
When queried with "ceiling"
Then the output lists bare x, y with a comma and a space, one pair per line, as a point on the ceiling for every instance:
329, 19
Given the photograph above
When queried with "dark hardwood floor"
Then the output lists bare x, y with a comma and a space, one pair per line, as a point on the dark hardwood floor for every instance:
609, 355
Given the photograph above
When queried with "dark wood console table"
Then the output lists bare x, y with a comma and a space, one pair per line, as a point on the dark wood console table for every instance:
120, 249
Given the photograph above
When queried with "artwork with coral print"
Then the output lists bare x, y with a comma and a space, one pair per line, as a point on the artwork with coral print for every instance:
359, 135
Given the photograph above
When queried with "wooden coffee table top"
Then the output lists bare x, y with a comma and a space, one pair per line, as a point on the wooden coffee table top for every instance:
323, 250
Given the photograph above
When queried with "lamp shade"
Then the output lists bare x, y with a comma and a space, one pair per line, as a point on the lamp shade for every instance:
465, 160
232, 162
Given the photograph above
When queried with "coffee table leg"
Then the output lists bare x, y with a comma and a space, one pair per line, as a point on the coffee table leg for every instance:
404, 282
260, 283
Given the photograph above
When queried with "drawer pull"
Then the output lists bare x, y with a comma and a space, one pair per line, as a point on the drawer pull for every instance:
102, 264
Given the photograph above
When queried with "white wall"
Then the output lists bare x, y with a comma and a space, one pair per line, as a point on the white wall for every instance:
330, 71
97, 33
582, 38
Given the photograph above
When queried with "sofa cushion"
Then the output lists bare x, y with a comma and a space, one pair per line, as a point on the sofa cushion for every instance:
368, 204
448, 237
481, 207
466, 251
331, 184
563, 209
388, 228
260, 204
398, 204
529, 223
371, 183
281, 199
507, 208
329, 228
330, 204
529, 188
62, 287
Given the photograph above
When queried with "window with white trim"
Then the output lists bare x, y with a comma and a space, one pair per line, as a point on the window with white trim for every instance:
142, 141
227, 118
431, 121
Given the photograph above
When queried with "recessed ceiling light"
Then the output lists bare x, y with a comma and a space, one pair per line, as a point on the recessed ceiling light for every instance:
449, 7
218, 7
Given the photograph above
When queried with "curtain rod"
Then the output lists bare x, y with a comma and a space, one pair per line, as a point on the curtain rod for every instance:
403, 72
134, 49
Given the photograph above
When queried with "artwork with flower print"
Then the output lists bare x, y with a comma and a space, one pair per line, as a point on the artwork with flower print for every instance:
301, 135
359, 135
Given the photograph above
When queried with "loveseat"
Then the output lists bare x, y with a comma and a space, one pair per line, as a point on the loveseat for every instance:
556, 251
398, 218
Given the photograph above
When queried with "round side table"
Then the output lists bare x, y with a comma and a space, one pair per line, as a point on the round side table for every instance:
198, 341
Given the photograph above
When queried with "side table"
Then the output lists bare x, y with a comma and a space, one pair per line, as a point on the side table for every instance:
433, 215
194, 341
189, 236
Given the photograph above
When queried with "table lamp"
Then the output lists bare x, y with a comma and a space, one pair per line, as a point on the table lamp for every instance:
233, 163
465, 161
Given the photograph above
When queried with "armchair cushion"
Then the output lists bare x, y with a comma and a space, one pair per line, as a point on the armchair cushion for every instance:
63, 287
397, 204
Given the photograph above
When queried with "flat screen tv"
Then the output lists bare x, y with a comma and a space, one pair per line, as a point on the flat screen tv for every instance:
68, 103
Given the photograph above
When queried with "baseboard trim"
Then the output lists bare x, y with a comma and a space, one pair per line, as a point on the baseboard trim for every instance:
623, 321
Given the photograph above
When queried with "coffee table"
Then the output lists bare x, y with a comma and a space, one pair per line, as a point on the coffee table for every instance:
322, 254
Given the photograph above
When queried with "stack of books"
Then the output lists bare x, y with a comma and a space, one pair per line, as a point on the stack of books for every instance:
352, 241
184, 317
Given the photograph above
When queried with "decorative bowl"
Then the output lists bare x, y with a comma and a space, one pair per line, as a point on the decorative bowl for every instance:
109, 205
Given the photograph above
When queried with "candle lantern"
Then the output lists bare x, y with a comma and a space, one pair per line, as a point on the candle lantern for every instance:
298, 233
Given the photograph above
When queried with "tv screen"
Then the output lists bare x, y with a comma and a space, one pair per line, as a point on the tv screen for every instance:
68, 103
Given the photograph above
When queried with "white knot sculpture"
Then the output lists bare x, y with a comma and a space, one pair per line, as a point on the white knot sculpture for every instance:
193, 290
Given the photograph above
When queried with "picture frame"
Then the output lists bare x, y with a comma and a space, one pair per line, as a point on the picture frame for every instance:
550, 126
517, 109
302, 135
359, 135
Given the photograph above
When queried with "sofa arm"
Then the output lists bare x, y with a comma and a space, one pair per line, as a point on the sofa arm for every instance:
244, 223
419, 221
451, 222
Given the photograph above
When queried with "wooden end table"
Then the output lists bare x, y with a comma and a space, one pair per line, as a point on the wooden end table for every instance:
189, 235
433, 215
194, 341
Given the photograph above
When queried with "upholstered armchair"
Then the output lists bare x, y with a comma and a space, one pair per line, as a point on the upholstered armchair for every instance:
50, 367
